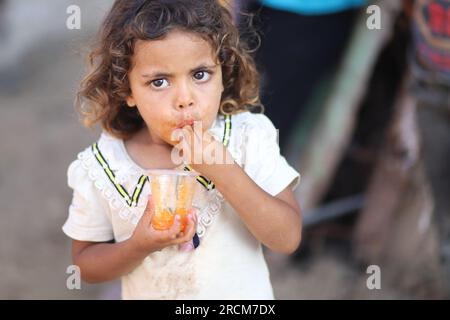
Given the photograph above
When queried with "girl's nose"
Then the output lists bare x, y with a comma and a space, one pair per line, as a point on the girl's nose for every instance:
184, 105
185, 97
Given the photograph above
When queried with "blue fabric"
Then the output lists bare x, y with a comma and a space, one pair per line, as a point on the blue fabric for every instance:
313, 6
196, 240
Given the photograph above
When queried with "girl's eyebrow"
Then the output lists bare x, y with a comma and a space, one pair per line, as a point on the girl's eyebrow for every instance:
162, 74
157, 74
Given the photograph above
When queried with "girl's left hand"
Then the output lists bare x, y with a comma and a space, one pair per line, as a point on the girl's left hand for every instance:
199, 148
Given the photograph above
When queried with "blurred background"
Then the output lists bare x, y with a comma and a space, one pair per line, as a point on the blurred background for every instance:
360, 91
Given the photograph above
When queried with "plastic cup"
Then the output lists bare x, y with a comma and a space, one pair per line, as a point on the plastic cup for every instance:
172, 193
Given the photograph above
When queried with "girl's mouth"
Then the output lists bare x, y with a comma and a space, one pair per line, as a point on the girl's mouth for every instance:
189, 122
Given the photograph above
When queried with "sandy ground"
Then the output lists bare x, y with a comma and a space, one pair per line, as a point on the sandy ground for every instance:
40, 136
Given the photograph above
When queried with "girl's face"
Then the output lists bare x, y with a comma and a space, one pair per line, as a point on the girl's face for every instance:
174, 81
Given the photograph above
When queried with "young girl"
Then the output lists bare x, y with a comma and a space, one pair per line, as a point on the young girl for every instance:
161, 66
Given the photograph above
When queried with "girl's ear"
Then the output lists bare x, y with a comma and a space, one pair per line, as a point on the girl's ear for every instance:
130, 101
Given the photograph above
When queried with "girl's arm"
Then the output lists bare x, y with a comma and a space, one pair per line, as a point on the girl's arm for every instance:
100, 262
274, 221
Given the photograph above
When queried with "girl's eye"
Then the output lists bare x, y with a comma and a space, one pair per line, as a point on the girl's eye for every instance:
202, 76
160, 83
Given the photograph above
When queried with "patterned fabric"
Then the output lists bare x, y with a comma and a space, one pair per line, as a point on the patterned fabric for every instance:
430, 58
431, 31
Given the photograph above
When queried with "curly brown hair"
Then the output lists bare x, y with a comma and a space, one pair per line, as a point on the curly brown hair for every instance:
103, 92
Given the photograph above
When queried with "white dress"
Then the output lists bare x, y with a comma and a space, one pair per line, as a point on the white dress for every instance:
229, 263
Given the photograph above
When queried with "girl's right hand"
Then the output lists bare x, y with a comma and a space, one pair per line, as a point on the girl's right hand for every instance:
146, 239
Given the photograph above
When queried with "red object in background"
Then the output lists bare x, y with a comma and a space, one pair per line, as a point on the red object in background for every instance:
432, 34
437, 17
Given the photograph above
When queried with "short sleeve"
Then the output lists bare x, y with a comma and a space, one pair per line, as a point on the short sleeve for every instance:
87, 219
263, 161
